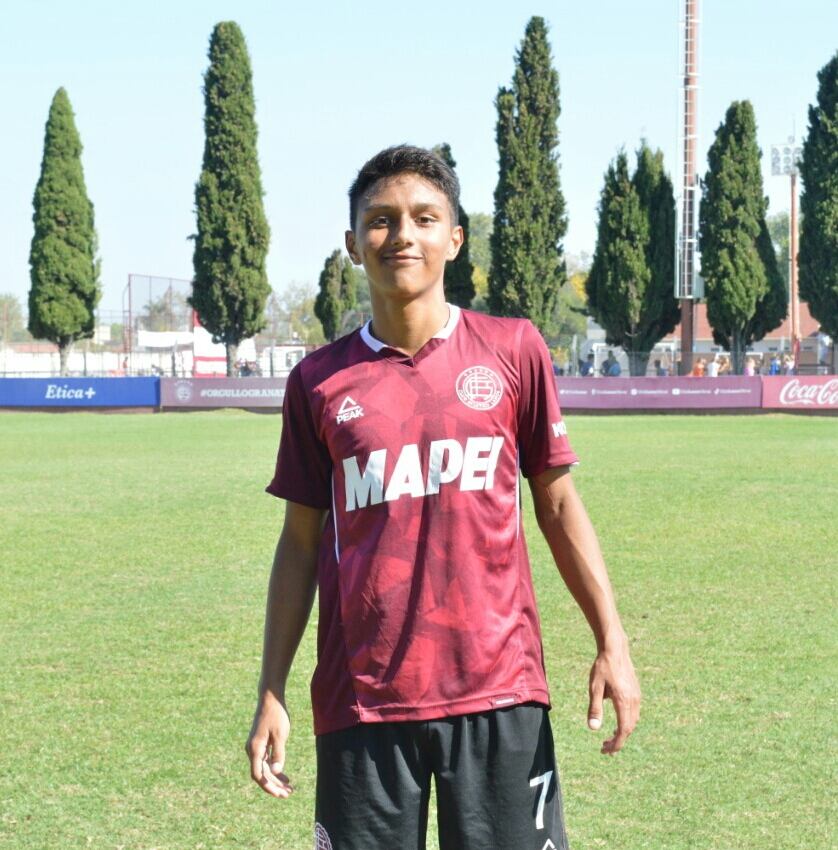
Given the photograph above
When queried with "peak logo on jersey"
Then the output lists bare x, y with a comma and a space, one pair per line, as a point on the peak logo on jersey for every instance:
447, 460
479, 387
349, 409
559, 429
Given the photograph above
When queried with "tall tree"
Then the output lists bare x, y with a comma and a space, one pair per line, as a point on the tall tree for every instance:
348, 286
661, 311
529, 222
459, 286
743, 285
328, 306
630, 285
231, 285
620, 274
64, 269
818, 255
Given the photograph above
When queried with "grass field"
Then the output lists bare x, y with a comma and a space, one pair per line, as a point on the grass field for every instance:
135, 558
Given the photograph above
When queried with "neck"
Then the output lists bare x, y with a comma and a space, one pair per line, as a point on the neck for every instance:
408, 325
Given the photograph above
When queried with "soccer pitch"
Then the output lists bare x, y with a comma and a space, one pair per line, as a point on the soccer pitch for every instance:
136, 551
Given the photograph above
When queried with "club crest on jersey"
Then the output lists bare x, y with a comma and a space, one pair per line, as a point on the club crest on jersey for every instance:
349, 409
479, 388
321, 838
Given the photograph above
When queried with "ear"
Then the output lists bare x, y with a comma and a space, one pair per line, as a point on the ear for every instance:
351, 249
457, 239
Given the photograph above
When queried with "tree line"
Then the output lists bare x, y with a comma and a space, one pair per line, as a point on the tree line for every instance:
629, 289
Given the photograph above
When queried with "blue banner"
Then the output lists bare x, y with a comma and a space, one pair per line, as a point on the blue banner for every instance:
79, 392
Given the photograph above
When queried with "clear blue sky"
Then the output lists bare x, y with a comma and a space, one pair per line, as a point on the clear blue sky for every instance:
336, 81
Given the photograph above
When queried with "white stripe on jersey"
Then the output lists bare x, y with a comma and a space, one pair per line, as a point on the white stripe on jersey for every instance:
335, 521
517, 491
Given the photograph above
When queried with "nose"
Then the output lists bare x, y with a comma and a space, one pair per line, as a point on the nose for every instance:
401, 232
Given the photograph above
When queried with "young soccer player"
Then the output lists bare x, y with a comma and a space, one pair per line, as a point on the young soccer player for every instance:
399, 459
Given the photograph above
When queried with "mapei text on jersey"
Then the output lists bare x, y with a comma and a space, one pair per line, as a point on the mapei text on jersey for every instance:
473, 464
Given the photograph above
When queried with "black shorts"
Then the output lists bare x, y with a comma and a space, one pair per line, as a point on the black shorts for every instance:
495, 774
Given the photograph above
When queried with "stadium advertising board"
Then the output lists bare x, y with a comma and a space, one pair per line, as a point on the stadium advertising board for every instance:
221, 392
800, 392
659, 393
79, 392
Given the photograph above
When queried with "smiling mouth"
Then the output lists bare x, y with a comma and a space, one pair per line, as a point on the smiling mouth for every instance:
401, 258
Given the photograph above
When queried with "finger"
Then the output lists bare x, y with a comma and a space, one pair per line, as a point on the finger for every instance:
277, 758
615, 743
626, 720
260, 772
257, 749
275, 784
596, 690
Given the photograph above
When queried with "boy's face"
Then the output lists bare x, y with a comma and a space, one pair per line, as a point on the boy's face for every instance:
403, 236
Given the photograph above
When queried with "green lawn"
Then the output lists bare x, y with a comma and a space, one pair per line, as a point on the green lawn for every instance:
135, 559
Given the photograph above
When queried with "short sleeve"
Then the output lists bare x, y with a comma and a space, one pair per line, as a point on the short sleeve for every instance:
542, 434
303, 465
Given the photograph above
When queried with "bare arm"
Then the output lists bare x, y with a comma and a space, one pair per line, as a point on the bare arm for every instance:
566, 527
290, 595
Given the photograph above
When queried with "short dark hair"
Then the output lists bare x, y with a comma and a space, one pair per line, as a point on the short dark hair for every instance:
403, 159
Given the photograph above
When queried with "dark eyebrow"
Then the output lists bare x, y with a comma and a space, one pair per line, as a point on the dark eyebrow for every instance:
425, 205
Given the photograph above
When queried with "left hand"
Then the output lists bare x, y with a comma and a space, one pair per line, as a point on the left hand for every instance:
613, 677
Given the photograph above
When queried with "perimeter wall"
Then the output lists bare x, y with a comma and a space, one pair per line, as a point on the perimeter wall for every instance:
809, 393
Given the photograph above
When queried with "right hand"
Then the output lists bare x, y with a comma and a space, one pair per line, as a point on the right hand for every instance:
266, 746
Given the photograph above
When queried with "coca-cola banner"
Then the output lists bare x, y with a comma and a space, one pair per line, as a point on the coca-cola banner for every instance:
222, 392
659, 393
801, 392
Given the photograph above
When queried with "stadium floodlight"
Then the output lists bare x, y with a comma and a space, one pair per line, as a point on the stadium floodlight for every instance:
785, 161
686, 239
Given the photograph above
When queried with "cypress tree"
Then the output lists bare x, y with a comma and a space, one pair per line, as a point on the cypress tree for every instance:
660, 311
620, 275
231, 285
529, 223
64, 269
818, 255
328, 306
629, 287
459, 287
742, 278
348, 286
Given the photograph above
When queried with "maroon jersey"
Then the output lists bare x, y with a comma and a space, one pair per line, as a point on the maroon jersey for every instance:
425, 594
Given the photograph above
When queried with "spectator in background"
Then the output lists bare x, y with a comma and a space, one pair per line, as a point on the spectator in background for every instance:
712, 370
586, 369
750, 367
774, 367
699, 368
724, 365
788, 365
610, 368
660, 371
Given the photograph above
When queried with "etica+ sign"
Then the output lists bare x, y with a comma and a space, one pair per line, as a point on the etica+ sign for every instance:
79, 392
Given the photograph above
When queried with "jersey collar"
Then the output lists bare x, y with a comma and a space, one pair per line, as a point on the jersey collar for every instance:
443, 333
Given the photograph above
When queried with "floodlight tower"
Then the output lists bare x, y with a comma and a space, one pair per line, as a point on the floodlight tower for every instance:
686, 283
785, 160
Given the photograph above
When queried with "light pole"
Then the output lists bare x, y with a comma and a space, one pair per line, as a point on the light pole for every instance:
785, 159
686, 283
